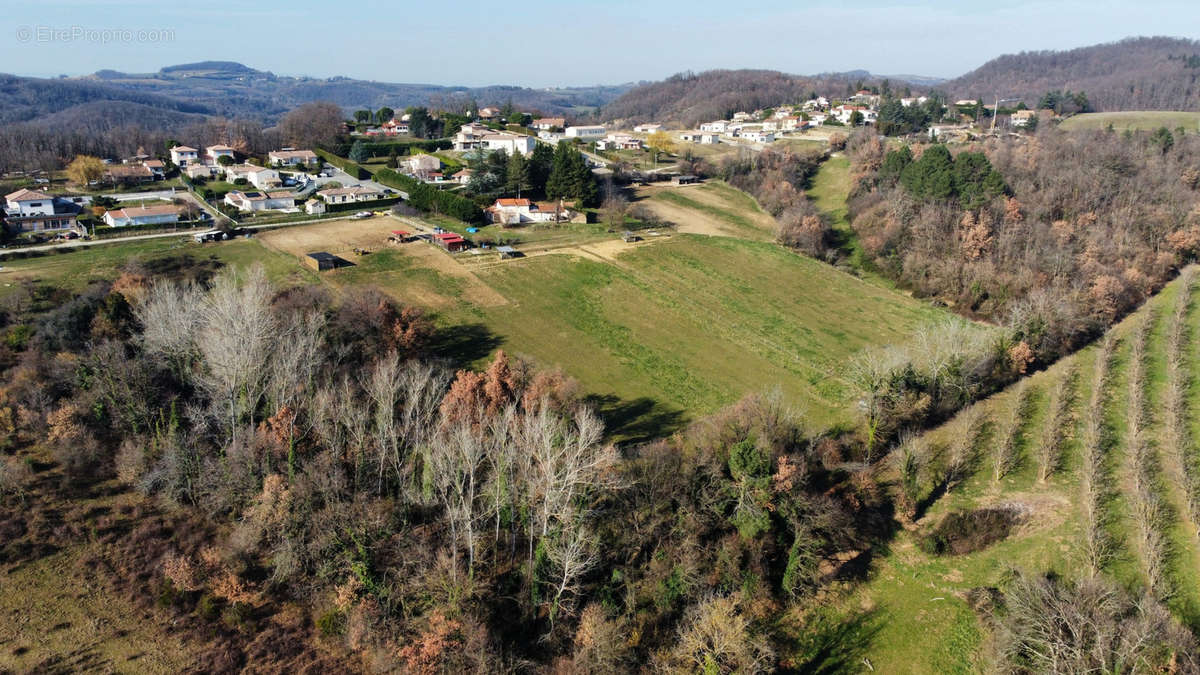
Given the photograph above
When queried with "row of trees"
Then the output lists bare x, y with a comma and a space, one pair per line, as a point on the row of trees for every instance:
558, 173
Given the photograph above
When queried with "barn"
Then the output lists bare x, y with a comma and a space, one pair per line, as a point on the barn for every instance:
322, 261
450, 241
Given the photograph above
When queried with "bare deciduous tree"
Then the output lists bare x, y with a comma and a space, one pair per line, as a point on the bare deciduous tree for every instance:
236, 336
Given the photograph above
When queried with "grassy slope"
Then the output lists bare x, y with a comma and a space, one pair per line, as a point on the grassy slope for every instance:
1144, 120
912, 589
75, 269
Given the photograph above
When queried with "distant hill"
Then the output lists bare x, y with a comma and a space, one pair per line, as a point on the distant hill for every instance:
688, 98
235, 90
1144, 73
180, 94
24, 99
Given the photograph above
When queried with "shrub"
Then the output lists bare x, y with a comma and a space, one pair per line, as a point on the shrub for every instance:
332, 623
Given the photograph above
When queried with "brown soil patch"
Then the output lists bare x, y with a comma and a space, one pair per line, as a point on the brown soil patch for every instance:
339, 237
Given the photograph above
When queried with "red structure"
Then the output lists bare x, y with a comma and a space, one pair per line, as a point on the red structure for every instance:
450, 241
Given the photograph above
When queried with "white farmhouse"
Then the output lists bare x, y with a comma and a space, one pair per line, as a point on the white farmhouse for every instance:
716, 127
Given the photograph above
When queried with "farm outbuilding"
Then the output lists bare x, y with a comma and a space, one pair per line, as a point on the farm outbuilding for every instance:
507, 252
400, 237
450, 241
322, 261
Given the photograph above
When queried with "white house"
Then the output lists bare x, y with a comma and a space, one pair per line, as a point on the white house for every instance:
596, 131
314, 207
259, 176
819, 102
420, 165
157, 168
741, 116
510, 143
758, 136
716, 127
771, 125
470, 136
463, 176
548, 123
200, 171
619, 142
394, 126
142, 215
182, 155
291, 157
790, 123
260, 201
647, 128
1021, 118
34, 211
488, 113
703, 138
913, 100
214, 153
517, 211
347, 195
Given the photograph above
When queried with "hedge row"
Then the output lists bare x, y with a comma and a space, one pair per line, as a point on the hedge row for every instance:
346, 165
428, 198
362, 206
384, 148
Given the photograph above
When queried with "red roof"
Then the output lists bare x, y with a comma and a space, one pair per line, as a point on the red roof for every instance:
402, 233
512, 202
448, 236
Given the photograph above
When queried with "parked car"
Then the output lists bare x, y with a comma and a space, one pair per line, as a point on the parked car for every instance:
363, 214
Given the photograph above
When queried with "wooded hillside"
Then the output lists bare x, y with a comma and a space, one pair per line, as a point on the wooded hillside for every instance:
1144, 73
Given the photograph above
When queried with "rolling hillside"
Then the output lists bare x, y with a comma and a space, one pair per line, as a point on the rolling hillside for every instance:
1143, 73
1095, 463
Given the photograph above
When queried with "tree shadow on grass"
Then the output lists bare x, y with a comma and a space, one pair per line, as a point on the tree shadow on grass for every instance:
463, 344
638, 420
837, 645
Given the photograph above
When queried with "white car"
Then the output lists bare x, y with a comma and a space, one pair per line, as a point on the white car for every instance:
363, 214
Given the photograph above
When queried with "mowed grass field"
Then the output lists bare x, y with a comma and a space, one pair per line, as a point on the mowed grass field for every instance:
1137, 120
909, 587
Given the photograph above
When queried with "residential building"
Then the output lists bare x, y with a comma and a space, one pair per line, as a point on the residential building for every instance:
470, 136
261, 201
182, 155
966, 102
143, 215
548, 123
347, 195
586, 132
518, 211
290, 157
1021, 118
703, 138
742, 117
716, 127
758, 136
489, 113
790, 123
201, 171
128, 174
463, 176
647, 128
260, 177
422, 165
771, 125
394, 127
510, 143
214, 153
910, 101
314, 207
619, 142
34, 211
157, 168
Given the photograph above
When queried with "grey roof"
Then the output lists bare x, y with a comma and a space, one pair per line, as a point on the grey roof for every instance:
506, 249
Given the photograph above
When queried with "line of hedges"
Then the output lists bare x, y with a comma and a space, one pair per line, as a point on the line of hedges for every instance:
384, 148
362, 206
346, 165
428, 198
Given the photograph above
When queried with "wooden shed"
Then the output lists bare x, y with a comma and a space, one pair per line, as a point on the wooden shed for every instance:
322, 261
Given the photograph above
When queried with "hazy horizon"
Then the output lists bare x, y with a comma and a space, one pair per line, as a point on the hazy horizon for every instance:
566, 43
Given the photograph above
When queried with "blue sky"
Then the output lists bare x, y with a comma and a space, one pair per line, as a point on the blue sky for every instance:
566, 42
